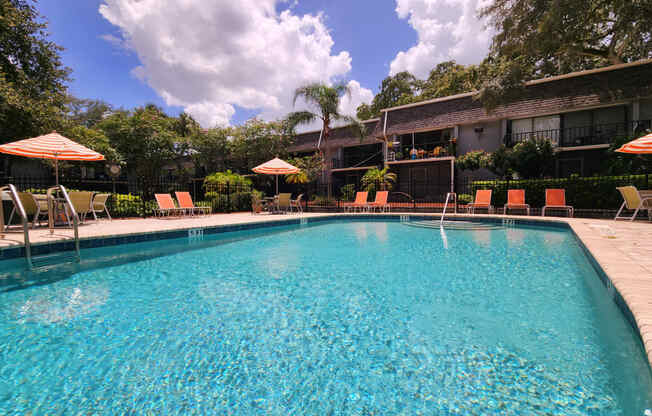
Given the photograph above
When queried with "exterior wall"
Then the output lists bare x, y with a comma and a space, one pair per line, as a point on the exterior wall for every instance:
489, 140
645, 109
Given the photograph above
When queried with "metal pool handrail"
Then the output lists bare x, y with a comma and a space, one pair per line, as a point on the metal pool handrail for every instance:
24, 220
73, 213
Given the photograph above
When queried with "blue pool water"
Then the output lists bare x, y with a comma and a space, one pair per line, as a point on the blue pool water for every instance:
365, 318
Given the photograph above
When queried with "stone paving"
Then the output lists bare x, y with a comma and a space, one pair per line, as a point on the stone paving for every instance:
623, 249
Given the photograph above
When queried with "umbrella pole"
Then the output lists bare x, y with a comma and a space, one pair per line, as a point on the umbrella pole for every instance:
56, 170
276, 184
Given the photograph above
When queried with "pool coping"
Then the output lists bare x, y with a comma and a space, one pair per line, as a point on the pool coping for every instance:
629, 286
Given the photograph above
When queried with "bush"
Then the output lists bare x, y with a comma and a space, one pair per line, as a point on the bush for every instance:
581, 192
236, 201
464, 198
221, 180
348, 192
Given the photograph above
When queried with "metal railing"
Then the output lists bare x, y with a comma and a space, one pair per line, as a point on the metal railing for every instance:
581, 135
18, 206
67, 206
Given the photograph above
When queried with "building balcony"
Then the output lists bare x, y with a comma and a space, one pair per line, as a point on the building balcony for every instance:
598, 134
357, 164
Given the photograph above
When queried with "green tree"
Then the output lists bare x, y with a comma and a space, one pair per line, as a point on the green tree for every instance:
209, 149
378, 179
398, 89
540, 38
559, 36
450, 78
256, 142
86, 112
324, 101
532, 159
310, 166
145, 137
32, 76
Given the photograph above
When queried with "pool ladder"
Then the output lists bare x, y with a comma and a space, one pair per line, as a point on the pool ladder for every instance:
46, 260
443, 213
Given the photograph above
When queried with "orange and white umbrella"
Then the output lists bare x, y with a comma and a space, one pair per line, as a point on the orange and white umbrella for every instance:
276, 167
51, 146
642, 145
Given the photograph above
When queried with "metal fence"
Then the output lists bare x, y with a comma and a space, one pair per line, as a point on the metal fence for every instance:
135, 198
591, 196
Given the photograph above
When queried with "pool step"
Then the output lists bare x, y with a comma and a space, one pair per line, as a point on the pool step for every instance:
47, 261
454, 225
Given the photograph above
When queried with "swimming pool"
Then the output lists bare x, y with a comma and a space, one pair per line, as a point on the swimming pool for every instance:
339, 317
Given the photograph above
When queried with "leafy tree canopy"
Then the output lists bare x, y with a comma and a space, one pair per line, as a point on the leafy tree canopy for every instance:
256, 142
32, 76
394, 90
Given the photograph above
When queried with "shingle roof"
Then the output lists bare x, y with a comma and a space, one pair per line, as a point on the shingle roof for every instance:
577, 90
340, 136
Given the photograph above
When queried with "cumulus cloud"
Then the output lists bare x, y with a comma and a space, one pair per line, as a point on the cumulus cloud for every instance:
210, 56
446, 29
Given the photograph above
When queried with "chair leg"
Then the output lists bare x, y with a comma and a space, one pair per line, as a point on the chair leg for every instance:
94, 214
619, 211
635, 213
11, 217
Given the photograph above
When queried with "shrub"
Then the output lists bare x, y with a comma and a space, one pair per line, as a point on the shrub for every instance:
464, 198
472, 160
220, 180
581, 192
348, 191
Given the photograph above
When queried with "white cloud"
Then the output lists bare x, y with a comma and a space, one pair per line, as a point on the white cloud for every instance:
209, 56
446, 29
359, 95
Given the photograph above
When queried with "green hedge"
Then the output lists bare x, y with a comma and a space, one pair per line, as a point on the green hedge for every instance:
125, 205
581, 192
231, 202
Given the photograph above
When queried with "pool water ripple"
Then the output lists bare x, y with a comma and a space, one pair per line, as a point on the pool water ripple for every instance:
340, 318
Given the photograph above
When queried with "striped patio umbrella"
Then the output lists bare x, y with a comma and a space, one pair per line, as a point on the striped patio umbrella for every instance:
51, 146
276, 167
642, 145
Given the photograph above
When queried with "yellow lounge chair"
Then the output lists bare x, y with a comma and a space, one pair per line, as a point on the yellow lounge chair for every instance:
633, 200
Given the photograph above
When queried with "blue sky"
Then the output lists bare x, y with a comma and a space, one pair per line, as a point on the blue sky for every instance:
169, 55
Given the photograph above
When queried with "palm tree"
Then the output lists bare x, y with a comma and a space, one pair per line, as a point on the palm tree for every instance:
325, 101
376, 178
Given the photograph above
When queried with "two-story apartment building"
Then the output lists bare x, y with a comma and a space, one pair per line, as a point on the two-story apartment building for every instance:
581, 113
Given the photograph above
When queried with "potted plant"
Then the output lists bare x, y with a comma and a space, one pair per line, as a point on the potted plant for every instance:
398, 155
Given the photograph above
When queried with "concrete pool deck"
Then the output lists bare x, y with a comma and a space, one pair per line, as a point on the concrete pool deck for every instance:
623, 249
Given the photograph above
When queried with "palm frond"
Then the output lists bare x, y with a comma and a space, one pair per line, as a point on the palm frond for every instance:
300, 117
312, 93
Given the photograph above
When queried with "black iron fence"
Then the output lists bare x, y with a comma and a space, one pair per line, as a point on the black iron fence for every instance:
591, 196
135, 198
595, 197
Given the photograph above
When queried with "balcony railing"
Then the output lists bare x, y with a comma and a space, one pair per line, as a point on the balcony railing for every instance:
349, 162
583, 135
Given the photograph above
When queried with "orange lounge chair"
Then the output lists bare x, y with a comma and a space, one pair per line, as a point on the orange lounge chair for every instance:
516, 200
185, 202
166, 205
556, 199
360, 201
482, 200
380, 202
